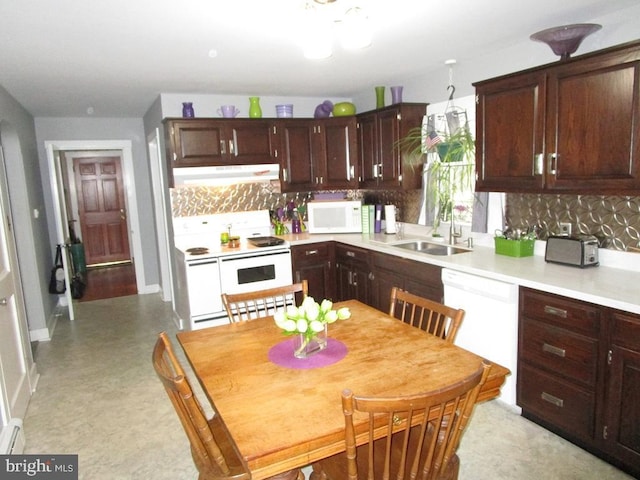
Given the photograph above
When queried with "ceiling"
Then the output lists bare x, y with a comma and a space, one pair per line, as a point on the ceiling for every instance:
60, 57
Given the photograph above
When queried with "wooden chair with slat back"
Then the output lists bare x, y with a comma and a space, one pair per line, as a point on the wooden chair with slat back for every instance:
425, 451
213, 449
262, 303
432, 317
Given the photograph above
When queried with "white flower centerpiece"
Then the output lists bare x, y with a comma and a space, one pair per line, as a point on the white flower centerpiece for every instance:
308, 323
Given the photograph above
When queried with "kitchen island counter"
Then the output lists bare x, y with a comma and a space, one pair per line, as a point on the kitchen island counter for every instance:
615, 283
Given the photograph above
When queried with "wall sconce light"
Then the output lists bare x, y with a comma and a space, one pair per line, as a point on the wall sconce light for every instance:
322, 23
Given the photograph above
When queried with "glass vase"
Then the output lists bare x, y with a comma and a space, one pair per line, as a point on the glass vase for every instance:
187, 110
306, 345
255, 111
396, 94
379, 97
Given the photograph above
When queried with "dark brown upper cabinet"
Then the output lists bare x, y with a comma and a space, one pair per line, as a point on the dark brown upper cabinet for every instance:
567, 127
382, 163
207, 141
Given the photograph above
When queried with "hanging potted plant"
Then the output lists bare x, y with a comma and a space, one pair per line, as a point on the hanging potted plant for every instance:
448, 155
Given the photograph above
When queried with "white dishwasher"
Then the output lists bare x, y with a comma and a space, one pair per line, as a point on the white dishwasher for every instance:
490, 324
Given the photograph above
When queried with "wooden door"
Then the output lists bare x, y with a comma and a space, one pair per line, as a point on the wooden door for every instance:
314, 263
249, 142
296, 143
340, 148
101, 209
196, 143
593, 125
389, 159
368, 150
510, 134
621, 432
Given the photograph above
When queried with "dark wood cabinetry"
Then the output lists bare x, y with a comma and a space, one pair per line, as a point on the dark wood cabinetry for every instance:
579, 374
621, 429
317, 154
389, 271
382, 163
352, 273
207, 141
315, 263
568, 127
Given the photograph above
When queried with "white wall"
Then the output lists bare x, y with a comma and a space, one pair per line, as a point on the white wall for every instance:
617, 27
78, 129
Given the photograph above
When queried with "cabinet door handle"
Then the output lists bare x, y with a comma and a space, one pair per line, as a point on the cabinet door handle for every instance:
375, 170
350, 254
553, 163
223, 147
547, 397
553, 350
355, 279
284, 175
558, 312
538, 162
311, 252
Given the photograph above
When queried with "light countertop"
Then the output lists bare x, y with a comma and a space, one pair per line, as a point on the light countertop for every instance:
614, 283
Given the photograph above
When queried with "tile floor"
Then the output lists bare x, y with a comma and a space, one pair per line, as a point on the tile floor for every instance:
98, 397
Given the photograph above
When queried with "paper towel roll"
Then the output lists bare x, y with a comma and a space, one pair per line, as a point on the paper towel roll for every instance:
390, 217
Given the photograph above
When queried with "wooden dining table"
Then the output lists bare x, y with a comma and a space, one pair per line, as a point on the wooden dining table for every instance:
288, 416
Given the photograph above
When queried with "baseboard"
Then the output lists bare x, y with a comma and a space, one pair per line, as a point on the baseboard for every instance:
45, 334
155, 288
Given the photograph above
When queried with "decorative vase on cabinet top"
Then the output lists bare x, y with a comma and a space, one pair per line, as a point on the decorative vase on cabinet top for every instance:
187, 110
255, 111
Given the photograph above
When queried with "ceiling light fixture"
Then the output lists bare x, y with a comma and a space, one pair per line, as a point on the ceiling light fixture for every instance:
321, 21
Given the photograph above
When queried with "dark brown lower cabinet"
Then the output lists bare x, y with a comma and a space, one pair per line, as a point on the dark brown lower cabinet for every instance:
352, 273
315, 263
621, 430
579, 374
389, 271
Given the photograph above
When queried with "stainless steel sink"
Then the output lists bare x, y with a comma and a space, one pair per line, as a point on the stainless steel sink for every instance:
430, 248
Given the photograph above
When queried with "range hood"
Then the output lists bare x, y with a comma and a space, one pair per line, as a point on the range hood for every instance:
226, 174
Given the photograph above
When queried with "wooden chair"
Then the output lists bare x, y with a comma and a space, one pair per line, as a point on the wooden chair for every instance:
213, 450
430, 316
262, 303
426, 451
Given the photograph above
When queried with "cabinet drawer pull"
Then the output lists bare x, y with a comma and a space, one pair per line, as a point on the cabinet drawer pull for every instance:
223, 147
553, 350
350, 254
558, 402
311, 252
558, 312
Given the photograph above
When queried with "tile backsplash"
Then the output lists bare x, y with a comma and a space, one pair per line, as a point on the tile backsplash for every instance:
615, 220
200, 200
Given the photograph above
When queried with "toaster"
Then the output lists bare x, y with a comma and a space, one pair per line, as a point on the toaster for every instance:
578, 251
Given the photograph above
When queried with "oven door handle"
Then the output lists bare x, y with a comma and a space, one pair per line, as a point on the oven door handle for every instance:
204, 261
271, 253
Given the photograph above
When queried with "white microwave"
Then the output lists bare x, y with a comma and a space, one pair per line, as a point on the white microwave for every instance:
341, 216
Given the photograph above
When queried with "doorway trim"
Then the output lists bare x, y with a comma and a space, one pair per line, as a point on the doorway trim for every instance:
133, 219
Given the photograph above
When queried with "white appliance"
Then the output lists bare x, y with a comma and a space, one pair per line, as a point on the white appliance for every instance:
490, 324
226, 174
341, 216
206, 269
